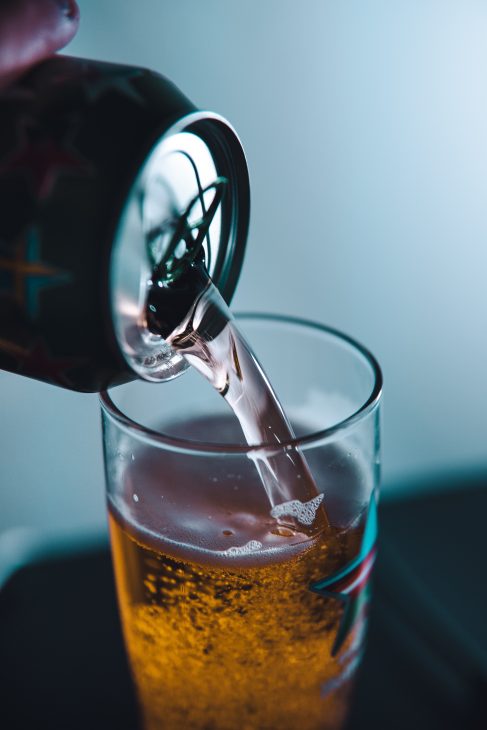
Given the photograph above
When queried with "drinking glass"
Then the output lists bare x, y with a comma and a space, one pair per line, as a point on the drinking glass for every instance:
234, 617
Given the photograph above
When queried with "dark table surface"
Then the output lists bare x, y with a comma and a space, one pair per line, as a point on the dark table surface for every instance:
63, 666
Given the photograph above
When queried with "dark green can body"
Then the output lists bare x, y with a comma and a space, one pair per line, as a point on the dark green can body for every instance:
74, 135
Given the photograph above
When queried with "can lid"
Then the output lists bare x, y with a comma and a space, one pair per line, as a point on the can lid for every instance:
183, 174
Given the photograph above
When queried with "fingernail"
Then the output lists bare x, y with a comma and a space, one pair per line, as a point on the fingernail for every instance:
69, 8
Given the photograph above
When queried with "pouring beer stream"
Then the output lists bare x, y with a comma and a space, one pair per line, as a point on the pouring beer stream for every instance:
211, 342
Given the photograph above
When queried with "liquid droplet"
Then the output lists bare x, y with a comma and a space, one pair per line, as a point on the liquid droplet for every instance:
282, 532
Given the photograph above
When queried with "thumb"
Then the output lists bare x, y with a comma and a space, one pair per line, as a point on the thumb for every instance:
31, 30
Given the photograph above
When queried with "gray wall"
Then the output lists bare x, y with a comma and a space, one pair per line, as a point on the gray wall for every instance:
365, 128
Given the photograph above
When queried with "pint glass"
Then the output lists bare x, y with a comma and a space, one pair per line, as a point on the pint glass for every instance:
232, 618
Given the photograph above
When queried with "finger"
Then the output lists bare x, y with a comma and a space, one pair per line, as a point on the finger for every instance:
31, 30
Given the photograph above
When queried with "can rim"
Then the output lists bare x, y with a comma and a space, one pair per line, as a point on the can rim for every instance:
224, 144
110, 409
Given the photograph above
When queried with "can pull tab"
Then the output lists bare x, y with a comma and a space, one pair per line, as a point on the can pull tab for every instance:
186, 235
180, 272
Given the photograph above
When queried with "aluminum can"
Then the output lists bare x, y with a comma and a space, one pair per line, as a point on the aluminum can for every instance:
97, 162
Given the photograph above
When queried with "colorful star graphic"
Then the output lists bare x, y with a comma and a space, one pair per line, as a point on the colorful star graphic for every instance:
42, 158
349, 584
98, 80
122, 83
39, 363
11, 348
27, 274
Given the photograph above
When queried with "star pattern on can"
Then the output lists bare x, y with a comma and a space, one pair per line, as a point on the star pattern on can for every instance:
24, 275
38, 362
42, 157
13, 349
349, 584
108, 82
102, 79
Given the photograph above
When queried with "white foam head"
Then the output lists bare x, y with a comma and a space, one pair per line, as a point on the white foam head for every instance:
304, 512
250, 547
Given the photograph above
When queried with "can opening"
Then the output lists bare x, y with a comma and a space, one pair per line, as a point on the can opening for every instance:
189, 204
180, 271
189, 231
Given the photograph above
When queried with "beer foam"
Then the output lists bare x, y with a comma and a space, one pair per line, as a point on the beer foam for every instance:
250, 547
304, 512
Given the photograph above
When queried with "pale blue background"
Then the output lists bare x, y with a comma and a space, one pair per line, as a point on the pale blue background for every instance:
365, 127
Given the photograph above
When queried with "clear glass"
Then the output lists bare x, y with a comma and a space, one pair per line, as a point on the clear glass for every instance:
232, 618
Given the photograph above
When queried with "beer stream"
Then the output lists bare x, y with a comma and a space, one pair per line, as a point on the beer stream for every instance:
211, 342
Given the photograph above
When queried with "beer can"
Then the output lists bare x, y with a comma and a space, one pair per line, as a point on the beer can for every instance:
96, 159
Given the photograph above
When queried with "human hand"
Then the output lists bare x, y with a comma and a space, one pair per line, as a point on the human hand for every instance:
32, 30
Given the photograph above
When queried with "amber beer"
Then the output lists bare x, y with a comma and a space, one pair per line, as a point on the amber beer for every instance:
226, 637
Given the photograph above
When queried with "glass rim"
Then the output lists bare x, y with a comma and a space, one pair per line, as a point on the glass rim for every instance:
191, 446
